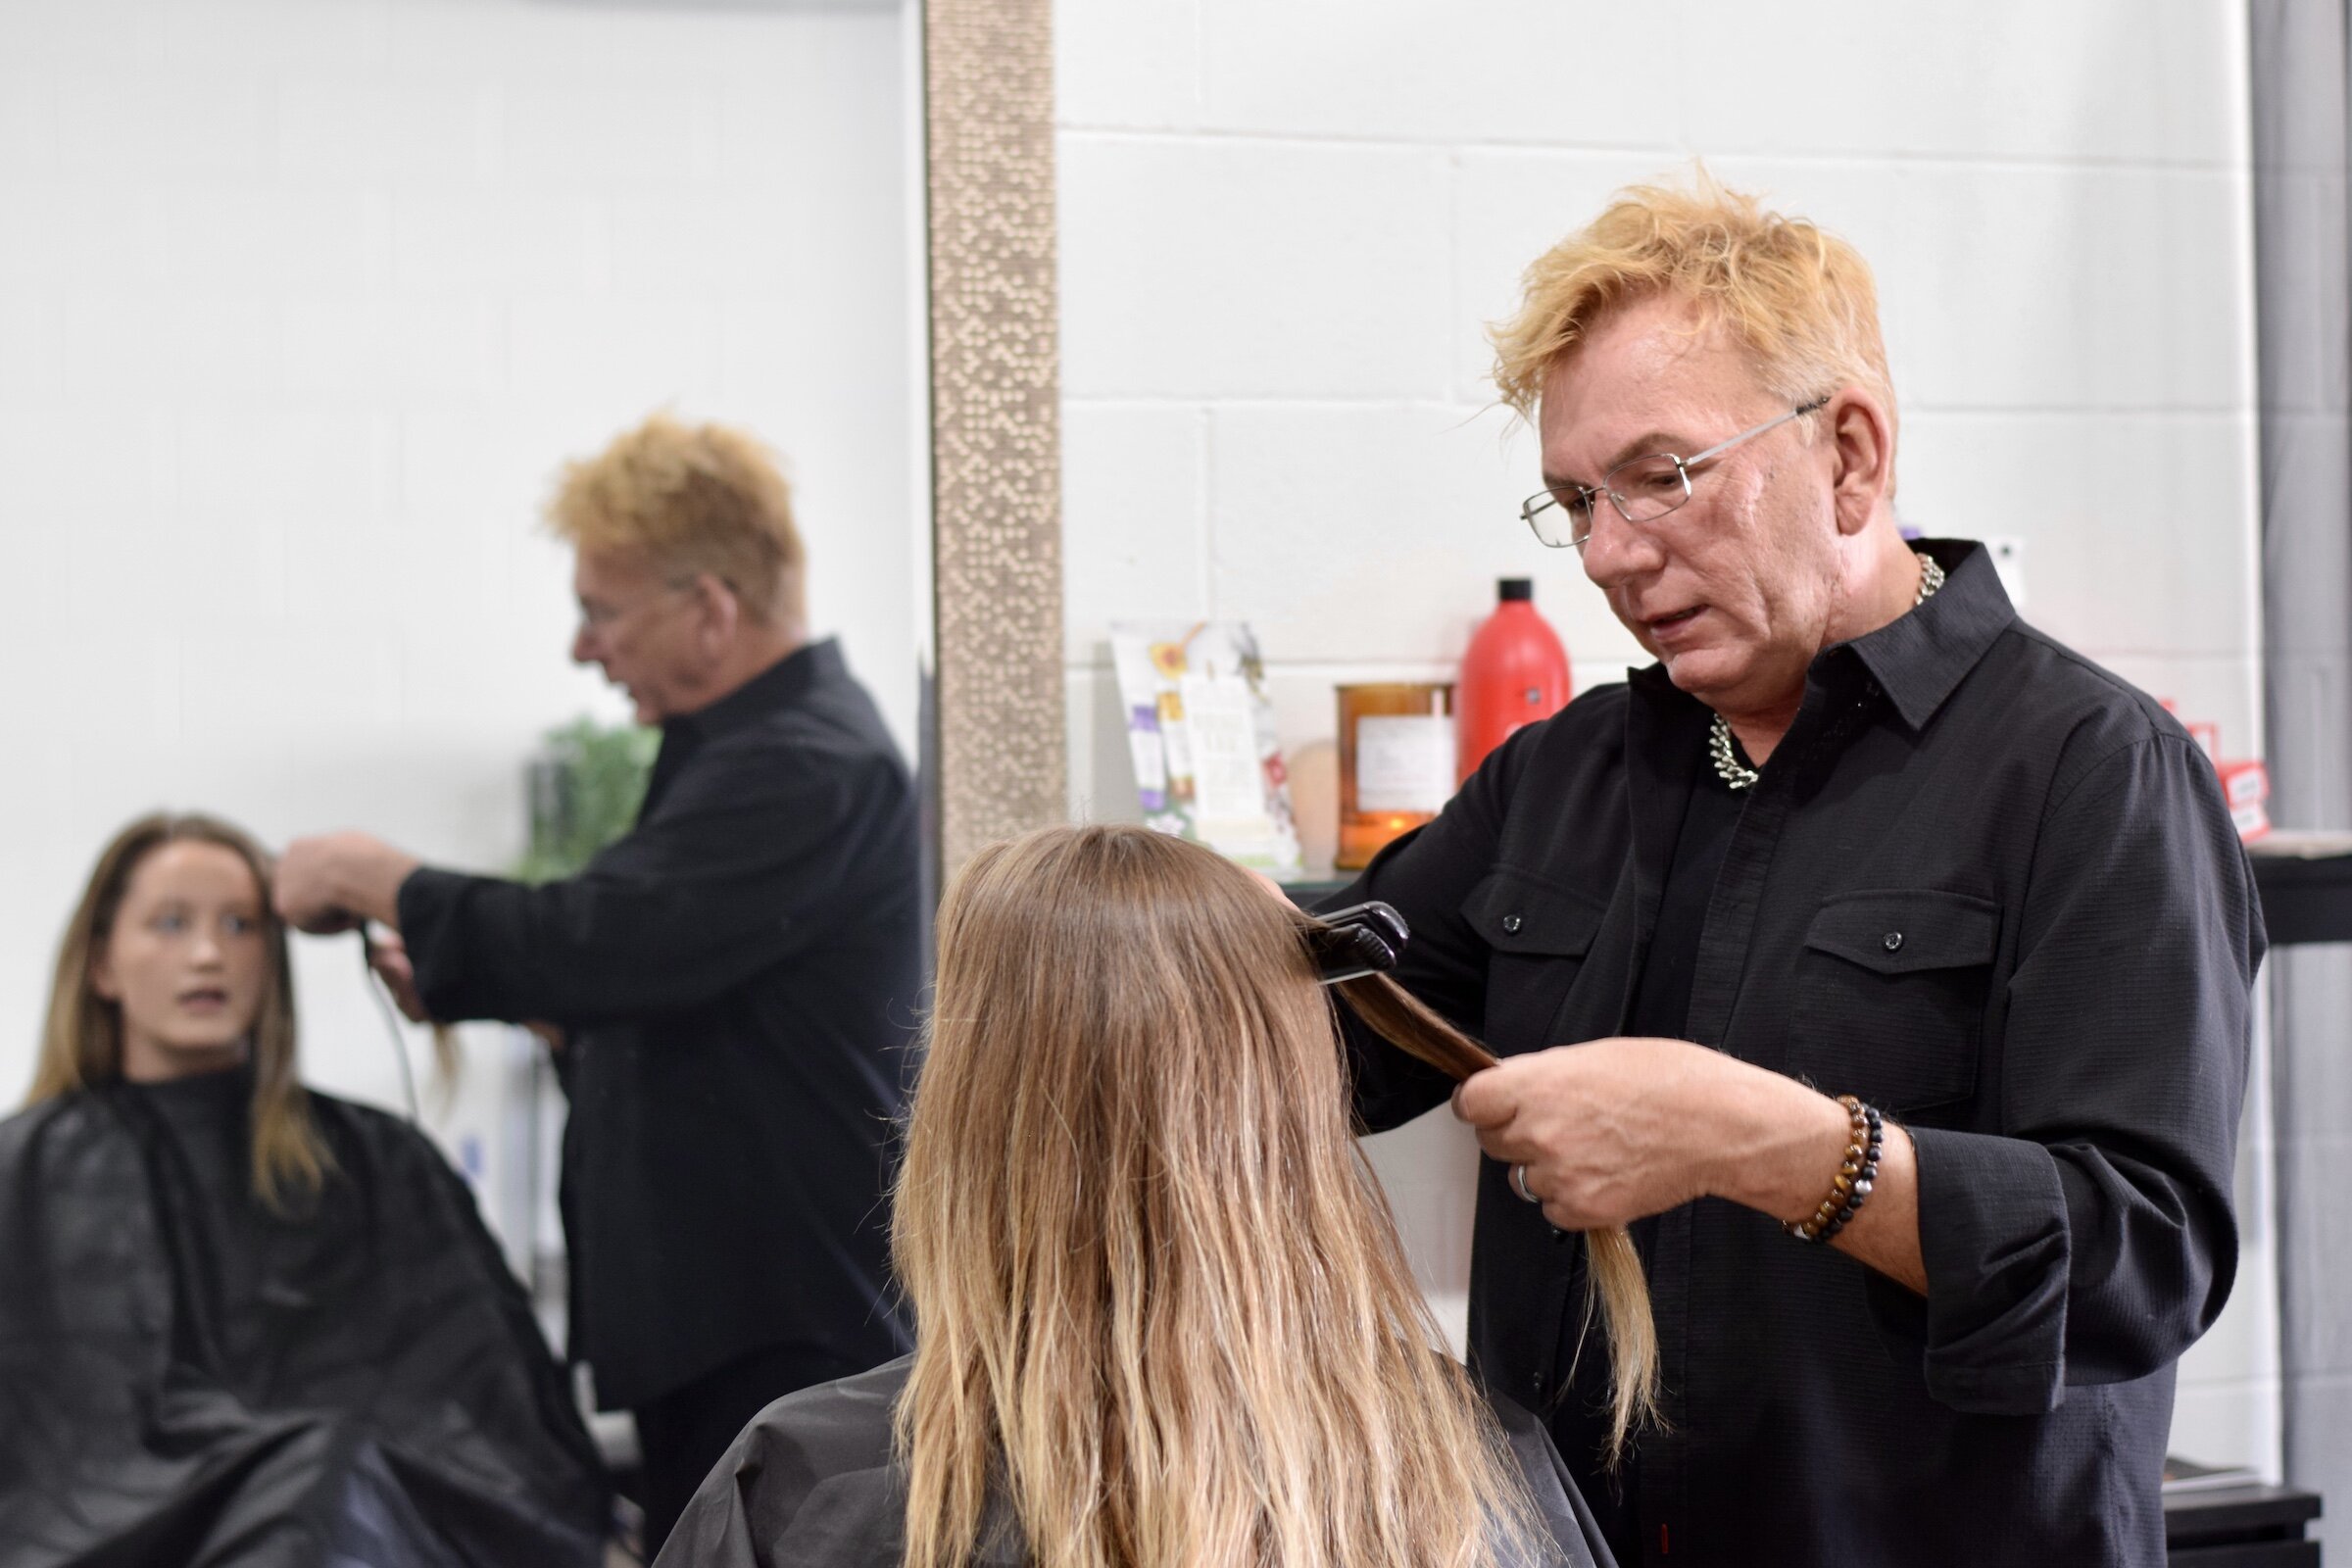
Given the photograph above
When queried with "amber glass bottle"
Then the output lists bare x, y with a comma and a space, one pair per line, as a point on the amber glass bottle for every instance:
1397, 756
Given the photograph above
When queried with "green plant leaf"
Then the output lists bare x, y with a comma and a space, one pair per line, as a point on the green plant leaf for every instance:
585, 787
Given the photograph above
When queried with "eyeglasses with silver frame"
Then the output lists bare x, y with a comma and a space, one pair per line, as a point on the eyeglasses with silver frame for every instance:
1643, 489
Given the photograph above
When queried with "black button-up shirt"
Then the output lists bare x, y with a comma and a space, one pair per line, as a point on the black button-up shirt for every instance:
1986, 886
739, 976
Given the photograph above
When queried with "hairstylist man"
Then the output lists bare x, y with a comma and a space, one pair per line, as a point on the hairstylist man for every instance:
735, 978
1859, 831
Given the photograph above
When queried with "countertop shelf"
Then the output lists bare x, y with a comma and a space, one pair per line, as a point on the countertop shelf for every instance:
2305, 880
2306, 885
2240, 1527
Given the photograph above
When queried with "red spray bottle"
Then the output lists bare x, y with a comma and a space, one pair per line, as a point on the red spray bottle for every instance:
1515, 674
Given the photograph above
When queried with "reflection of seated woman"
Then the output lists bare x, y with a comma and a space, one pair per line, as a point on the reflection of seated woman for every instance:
1164, 1318
241, 1323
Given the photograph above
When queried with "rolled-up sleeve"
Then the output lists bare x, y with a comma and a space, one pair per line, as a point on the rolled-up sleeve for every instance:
2091, 1238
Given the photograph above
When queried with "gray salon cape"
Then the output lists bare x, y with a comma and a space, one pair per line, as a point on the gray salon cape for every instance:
810, 1480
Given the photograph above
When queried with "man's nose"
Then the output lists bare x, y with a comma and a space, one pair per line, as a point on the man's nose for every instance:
1617, 550
584, 645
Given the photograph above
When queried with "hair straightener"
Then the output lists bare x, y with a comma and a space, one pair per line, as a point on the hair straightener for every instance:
1360, 940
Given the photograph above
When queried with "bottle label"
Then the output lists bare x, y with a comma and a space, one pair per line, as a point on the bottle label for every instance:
1403, 763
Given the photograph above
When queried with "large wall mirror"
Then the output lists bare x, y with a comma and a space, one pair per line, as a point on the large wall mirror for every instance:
303, 306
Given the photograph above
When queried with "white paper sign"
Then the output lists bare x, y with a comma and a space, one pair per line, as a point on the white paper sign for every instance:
1229, 787
1200, 730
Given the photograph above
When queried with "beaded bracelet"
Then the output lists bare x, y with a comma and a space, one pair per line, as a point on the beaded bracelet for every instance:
1850, 1188
1866, 1180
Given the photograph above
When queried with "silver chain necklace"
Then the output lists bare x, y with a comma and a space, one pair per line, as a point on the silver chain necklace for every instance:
1719, 734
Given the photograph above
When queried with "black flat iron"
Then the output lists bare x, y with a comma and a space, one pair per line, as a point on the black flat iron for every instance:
1360, 940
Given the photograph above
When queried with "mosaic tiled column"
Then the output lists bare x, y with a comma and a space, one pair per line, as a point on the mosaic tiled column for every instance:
996, 419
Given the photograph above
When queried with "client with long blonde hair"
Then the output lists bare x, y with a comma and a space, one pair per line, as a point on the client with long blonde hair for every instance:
1164, 1318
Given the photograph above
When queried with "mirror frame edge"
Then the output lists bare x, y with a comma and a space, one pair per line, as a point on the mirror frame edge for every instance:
999, 715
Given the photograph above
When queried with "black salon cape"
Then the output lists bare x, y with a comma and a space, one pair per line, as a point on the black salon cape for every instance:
810, 1480
187, 1379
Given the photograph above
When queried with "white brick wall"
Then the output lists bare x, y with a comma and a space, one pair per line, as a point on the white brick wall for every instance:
302, 303
1285, 223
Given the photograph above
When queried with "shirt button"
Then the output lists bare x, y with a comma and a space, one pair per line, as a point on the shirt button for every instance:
1893, 941
1510, 922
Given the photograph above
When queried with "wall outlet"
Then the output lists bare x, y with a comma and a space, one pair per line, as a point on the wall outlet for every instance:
2009, 560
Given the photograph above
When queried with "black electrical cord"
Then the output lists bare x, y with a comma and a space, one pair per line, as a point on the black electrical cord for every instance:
382, 994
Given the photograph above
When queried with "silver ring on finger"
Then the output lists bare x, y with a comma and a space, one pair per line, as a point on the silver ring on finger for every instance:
1519, 1185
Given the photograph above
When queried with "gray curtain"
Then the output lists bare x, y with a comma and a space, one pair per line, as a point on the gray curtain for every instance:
2304, 310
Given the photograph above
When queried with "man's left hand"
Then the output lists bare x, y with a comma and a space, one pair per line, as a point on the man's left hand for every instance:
1614, 1130
334, 881
1601, 1128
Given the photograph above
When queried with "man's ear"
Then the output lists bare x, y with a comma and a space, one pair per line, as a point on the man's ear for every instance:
1862, 457
721, 612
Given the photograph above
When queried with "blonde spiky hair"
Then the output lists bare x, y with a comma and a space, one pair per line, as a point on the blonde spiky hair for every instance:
691, 498
1798, 298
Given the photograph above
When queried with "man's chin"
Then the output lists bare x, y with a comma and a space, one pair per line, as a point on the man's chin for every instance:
1693, 669
1702, 672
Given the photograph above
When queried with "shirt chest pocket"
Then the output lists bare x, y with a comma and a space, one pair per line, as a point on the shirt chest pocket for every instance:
1537, 937
1890, 994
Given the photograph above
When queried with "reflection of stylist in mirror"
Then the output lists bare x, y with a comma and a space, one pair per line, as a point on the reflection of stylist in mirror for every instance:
734, 978
236, 1311
1858, 832
1163, 1314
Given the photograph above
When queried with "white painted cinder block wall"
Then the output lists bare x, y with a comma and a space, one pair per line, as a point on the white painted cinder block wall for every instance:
302, 303
1285, 223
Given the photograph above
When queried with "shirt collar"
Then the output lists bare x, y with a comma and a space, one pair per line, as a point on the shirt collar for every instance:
1918, 659
783, 684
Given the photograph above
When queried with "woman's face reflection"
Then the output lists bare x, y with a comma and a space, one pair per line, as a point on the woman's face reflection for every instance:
187, 961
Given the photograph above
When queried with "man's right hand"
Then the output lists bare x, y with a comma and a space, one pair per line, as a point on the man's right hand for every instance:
388, 957
330, 882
